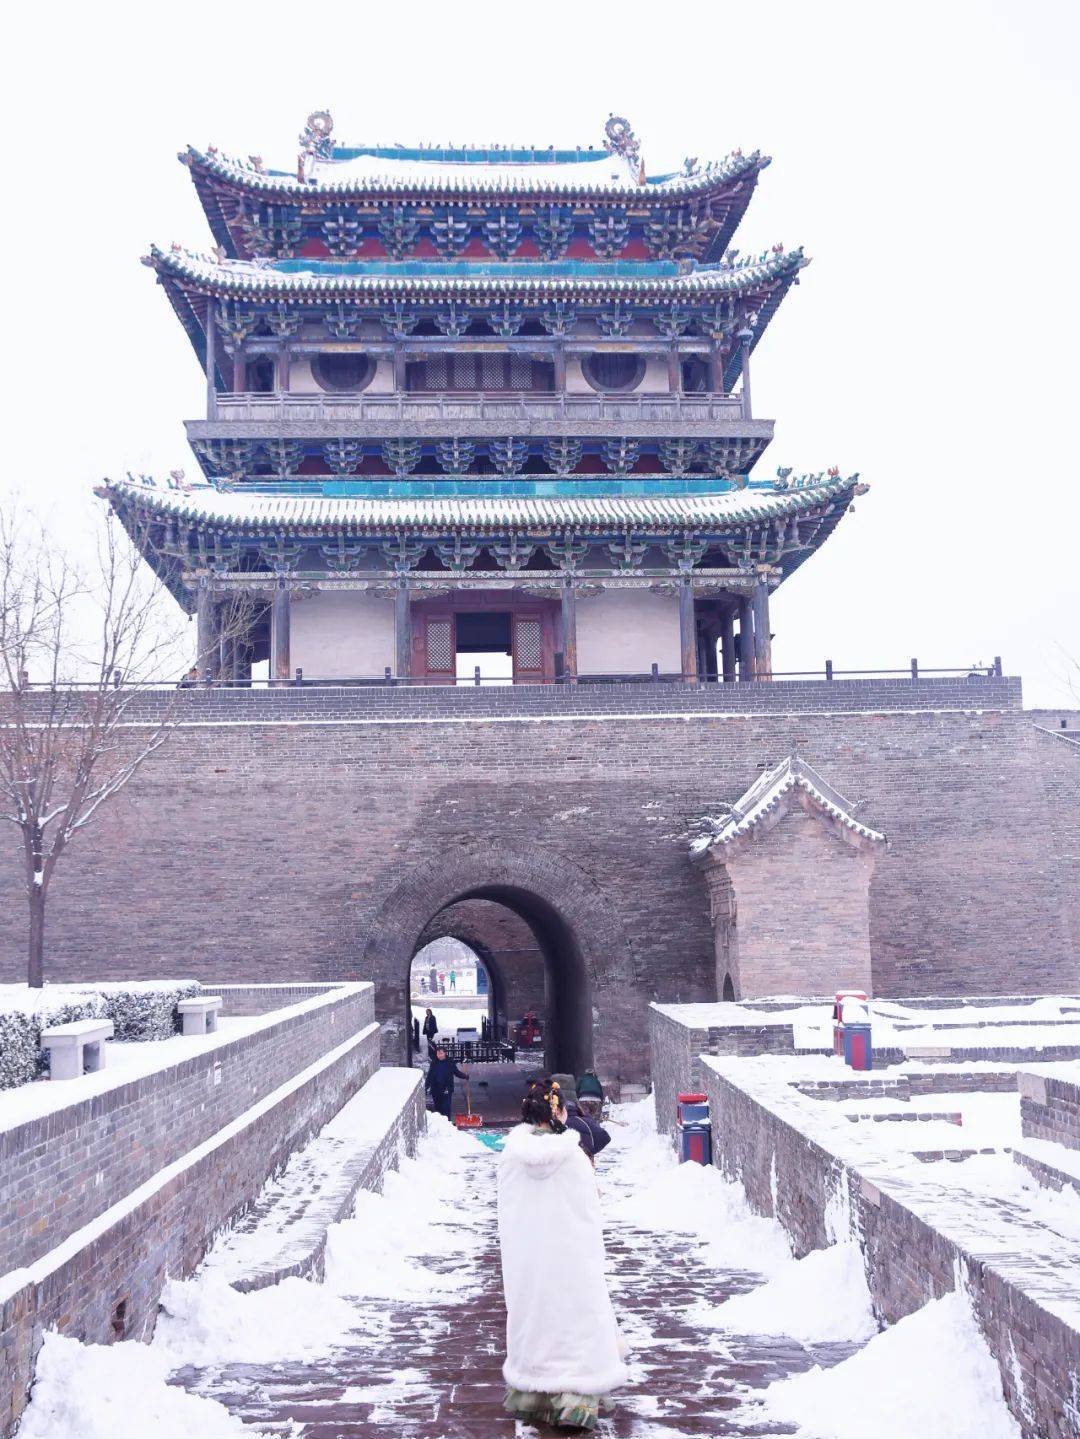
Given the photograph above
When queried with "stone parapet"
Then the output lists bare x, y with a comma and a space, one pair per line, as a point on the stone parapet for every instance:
817, 1174
1050, 1105
63, 1168
103, 1281
668, 697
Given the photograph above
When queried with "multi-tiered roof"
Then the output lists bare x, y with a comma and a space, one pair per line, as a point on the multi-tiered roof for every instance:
441, 360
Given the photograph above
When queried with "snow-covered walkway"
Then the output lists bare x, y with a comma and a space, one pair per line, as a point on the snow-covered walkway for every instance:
405, 1337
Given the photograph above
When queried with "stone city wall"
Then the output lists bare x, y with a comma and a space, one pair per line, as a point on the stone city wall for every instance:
316, 834
915, 1248
249, 999
1050, 1108
102, 1281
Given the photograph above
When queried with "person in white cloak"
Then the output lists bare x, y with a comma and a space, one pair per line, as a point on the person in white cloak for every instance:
564, 1351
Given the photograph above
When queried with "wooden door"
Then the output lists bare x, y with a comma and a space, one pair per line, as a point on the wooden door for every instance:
434, 650
533, 647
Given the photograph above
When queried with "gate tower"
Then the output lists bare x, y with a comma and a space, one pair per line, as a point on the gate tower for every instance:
465, 399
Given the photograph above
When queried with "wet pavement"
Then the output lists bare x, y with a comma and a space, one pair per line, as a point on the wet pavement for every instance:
415, 1370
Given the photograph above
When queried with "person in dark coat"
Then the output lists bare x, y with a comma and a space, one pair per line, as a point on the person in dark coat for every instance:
598, 1135
439, 1082
416, 1035
430, 1030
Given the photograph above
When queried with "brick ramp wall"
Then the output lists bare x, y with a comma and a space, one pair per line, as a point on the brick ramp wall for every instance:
799, 1179
163, 1228
1050, 1109
59, 1171
248, 999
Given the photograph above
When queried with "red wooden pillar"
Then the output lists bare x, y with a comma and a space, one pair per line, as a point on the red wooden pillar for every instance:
569, 629
687, 630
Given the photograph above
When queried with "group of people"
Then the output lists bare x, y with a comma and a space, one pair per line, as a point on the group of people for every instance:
564, 1349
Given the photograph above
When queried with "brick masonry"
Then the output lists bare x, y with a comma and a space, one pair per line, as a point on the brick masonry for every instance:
306, 834
798, 1177
60, 1171
104, 1281
1050, 1108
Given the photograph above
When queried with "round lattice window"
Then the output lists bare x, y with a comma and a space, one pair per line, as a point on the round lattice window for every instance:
613, 371
343, 372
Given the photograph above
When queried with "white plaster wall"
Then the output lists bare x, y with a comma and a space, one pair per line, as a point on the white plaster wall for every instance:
654, 381
625, 631
342, 634
303, 382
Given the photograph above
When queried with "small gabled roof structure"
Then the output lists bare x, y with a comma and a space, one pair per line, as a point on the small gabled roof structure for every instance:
793, 782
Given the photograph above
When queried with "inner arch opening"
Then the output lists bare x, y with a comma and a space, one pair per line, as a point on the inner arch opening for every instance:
534, 963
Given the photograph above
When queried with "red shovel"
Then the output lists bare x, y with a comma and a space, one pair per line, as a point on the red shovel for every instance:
468, 1120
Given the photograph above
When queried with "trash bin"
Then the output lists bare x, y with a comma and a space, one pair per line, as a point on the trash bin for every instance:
694, 1129
858, 1050
838, 1016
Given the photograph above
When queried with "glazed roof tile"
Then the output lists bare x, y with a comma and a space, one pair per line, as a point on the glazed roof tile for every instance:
254, 511
593, 175
767, 791
254, 280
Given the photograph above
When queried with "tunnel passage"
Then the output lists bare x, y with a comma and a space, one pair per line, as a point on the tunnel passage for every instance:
534, 961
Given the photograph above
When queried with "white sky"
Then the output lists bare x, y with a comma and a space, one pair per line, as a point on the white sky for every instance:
923, 153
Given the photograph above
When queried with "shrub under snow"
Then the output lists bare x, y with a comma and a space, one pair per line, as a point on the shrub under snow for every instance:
139, 1009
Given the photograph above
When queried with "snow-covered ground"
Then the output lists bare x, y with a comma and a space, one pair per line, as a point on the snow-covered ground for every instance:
930, 1375
449, 1018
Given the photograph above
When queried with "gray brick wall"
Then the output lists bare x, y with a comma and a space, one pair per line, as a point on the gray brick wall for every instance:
1050, 1109
794, 1176
321, 849
109, 1287
59, 1172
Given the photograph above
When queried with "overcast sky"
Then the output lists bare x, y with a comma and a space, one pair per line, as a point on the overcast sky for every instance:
924, 154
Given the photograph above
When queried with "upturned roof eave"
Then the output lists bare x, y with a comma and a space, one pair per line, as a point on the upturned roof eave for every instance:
370, 515
270, 186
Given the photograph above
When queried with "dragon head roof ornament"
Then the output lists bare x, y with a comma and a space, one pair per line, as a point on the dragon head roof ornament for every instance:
315, 142
619, 139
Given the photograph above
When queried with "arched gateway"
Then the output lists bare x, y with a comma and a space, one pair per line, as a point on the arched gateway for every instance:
576, 931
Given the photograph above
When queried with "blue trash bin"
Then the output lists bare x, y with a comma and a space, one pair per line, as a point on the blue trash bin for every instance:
858, 1051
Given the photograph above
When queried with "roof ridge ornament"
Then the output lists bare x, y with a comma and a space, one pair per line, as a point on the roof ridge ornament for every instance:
315, 143
619, 139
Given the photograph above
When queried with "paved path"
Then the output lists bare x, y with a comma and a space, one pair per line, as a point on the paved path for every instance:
422, 1371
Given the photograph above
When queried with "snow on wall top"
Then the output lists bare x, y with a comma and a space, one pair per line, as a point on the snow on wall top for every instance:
766, 793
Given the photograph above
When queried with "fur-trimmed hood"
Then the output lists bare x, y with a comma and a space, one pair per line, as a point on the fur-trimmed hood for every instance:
538, 1152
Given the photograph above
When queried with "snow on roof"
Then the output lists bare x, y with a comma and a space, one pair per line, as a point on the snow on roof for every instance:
766, 793
255, 278
260, 511
594, 173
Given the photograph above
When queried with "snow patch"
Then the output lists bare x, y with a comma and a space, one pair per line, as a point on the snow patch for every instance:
116, 1391
820, 1299
931, 1374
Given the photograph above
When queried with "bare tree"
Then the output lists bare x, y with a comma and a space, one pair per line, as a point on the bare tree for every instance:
76, 650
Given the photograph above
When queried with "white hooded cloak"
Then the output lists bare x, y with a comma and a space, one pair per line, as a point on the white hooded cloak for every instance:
561, 1332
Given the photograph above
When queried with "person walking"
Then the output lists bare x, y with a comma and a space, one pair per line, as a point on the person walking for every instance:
430, 1030
416, 1035
564, 1351
453, 979
439, 1081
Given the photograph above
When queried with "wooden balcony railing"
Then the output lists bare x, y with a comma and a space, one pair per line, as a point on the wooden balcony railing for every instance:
475, 406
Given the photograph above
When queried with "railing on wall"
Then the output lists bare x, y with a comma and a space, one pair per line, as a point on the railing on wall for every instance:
477, 679
447, 405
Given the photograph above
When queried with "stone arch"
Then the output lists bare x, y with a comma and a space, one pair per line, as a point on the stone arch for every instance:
578, 930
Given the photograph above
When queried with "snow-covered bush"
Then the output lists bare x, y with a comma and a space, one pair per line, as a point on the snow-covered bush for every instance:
139, 1009
24, 1017
146, 1009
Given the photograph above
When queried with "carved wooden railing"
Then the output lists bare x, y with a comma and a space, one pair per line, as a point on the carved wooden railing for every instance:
474, 406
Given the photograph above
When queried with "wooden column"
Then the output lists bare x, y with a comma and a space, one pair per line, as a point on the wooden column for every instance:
211, 362
714, 368
762, 637
402, 631
727, 644
227, 646
559, 357
569, 630
399, 369
206, 657
239, 370
746, 637
283, 358
687, 630
745, 336
674, 370
280, 661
